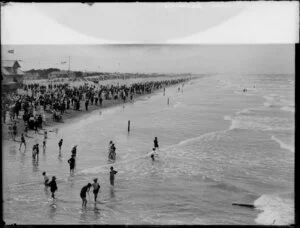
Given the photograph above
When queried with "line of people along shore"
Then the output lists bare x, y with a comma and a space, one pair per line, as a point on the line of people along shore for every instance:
58, 98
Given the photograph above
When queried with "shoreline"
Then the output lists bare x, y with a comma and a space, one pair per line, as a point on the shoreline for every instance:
69, 117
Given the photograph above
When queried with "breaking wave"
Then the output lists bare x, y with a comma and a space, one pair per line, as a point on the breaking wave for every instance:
276, 210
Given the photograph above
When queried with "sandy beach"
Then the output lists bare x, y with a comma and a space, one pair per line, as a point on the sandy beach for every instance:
69, 116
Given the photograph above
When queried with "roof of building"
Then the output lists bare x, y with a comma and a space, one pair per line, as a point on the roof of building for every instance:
10, 63
4, 71
8, 71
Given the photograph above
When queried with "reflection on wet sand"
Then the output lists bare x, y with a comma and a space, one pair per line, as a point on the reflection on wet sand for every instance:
35, 165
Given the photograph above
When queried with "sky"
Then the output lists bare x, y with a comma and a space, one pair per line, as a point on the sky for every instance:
248, 37
214, 58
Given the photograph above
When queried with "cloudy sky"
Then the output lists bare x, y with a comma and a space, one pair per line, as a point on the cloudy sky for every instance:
254, 58
226, 37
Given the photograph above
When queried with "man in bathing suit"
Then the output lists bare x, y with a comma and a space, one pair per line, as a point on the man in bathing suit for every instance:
96, 187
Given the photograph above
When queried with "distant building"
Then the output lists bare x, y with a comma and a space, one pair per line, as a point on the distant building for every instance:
31, 76
61, 74
11, 72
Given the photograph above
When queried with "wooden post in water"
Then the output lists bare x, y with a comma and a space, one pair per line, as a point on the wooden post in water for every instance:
128, 125
168, 101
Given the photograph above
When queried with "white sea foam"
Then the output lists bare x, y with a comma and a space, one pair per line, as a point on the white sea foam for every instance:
275, 210
288, 109
206, 136
283, 145
259, 123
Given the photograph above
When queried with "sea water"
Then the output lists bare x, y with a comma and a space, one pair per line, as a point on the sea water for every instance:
218, 145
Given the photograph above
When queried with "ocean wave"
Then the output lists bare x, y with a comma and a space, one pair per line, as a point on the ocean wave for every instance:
206, 136
283, 145
259, 123
276, 210
273, 100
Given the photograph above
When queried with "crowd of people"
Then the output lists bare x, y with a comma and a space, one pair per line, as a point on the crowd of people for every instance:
36, 99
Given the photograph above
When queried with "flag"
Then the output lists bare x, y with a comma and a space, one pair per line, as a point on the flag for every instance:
64, 62
11, 51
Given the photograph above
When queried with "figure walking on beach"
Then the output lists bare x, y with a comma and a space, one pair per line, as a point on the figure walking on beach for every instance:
83, 192
53, 186
46, 179
86, 104
71, 162
152, 154
96, 187
112, 175
14, 131
60, 144
45, 135
44, 145
37, 150
34, 151
22, 141
74, 150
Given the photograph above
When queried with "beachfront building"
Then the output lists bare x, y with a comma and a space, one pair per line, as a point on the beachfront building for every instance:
61, 74
11, 72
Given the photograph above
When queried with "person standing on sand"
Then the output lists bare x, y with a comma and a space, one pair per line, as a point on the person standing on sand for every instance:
86, 104
14, 131
60, 144
53, 186
83, 192
74, 150
100, 101
96, 187
44, 145
22, 141
37, 150
71, 162
112, 175
33, 151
